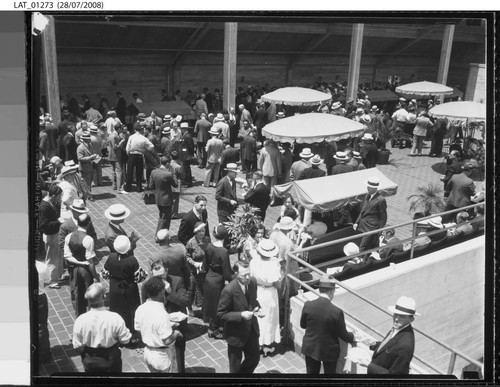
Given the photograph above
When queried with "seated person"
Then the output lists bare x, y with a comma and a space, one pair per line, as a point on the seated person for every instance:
351, 265
422, 241
389, 237
433, 224
462, 225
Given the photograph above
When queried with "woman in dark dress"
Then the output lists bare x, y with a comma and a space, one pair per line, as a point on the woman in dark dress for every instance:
195, 253
216, 264
123, 270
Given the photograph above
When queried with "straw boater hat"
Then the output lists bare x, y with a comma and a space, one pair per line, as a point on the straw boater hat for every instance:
366, 119
93, 128
306, 153
356, 155
367, 137
117, 212
85, 136
286, 223
336, 105
166, 130
360, 110
199, 226
55, 159
141, 116
231, 167
69, 167
178, 118
401, 99
111, 112
79, 206
316, 160
435, 222
341, 156
317, 229
351, 248
219, 118
122, 244
413, 101
213, 131
374, 108
326, 283
185, 125
280, 115
267, 248
168, 117
373, 182
405, 306
360, 102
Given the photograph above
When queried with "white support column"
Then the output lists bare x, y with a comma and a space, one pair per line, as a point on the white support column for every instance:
444, 61
230, 55
49, 57
355, 61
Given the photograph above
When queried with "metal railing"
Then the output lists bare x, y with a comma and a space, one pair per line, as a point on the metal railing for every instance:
293, 255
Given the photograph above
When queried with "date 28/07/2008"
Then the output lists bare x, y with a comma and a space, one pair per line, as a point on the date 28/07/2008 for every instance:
45, 5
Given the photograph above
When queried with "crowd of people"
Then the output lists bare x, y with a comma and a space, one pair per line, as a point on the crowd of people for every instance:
243, 303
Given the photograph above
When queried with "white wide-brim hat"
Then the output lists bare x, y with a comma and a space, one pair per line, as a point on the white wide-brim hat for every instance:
405, 306
267, 248
286, 223
117, 212
122, 244
306, 152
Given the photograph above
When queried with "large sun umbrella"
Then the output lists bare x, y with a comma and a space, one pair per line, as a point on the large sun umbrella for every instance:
460, 110
296, 96
312, 127
424, 89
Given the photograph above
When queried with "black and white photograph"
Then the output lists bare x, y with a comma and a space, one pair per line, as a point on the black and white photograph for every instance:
262, 195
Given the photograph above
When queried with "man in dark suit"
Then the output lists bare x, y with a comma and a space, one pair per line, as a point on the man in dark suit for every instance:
324, 324
187, 154
373, 215
260, 119
239, 309
461, 188
314, 170
229, 155
341, 166
259, 195
368, 151
161, 181
226, 194
249, 153
176, 301
197, 214
393, 355
201, 128
69, 144
389, 238
121, 107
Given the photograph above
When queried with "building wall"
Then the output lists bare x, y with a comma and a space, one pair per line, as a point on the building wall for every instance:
448, 287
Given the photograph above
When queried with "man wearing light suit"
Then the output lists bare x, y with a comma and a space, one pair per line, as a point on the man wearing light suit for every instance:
394, 354
373, 215
162, 180
239, 309
226, 194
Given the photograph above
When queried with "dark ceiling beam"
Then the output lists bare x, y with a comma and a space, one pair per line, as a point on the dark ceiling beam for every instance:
462, 33
308, 48
196, 37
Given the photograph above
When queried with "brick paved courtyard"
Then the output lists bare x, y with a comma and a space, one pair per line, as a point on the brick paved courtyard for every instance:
204, 355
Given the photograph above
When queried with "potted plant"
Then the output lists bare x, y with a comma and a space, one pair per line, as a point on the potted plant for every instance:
384, 133
428, 200
242, 225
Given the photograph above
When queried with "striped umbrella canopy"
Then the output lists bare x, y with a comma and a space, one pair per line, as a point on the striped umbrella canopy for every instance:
460, 110
312, 127
296, 96
424, 89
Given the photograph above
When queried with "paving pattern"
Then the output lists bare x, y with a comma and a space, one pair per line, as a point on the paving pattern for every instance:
204, 355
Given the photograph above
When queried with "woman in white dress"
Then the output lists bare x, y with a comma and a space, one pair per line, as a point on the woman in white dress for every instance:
266, 269
72, 188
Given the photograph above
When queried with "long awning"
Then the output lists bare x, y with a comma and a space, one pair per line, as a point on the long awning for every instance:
330, 192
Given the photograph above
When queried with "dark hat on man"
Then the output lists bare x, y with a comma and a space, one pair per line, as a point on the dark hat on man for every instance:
220, 231
326, 283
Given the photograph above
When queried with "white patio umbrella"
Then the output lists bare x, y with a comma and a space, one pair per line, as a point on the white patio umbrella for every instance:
460, 110
312, 127
296, 96
424, 89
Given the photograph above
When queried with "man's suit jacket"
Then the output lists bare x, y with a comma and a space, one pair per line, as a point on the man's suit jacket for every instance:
186, 228
342, 168
312, 173
162, 181
226, 191
69, 144
110, 234
395, 356
188, 145
260, 118
324, 324
83, 152
201, 128
245, 116
259, 197
373, 215
229, 155
232, 302
248, 148
461, 188
297, 169
389, 251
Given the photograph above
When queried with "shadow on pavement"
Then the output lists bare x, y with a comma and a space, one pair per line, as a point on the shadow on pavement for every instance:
200, 370
105, 195
194, 331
